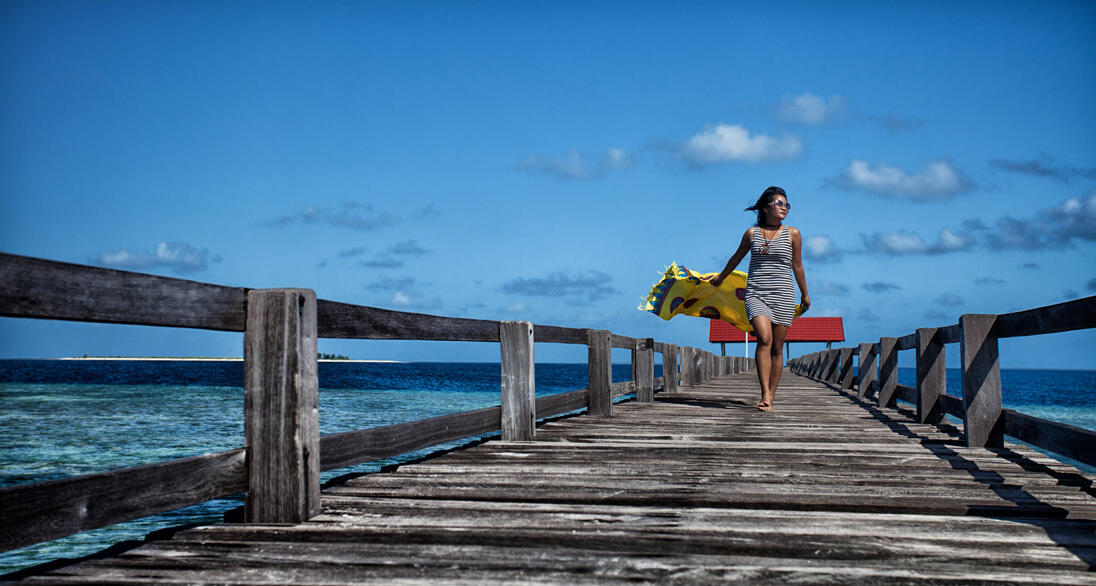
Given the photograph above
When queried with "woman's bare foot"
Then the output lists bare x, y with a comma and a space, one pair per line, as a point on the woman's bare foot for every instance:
763, 406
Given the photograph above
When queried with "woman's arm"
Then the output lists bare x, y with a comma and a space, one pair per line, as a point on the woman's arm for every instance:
743, 248
797, 267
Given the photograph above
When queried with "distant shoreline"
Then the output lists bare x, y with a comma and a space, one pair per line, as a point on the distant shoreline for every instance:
198, 359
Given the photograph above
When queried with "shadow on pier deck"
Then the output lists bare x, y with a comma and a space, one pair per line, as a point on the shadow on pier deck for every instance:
696, 487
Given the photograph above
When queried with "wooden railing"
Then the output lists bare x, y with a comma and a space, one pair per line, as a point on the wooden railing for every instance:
985, 421
279, 466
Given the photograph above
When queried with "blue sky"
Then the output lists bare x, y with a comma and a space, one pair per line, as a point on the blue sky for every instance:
546, 161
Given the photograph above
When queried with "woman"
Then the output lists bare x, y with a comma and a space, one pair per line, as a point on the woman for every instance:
770, 301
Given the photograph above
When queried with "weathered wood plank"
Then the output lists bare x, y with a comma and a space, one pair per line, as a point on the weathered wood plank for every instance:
559, 335
350, 448
343, 320
1061, 438
281, 406
697, 486
643, 369
32, 513
600, 367
559, 403
518, 381
619, 341
931, 375
37, 288
888, 370
1078, 314
669, 367
981, 381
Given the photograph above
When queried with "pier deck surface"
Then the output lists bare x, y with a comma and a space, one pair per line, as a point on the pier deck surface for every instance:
697, 487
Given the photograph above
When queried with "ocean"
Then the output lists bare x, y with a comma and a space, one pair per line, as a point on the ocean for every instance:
62, 418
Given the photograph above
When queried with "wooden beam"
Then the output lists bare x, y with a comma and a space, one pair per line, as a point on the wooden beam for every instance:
931, 376
518, 381
281, 406
866, 370
981, 382
669, 367
42, 511
847, 375
350, 448
46, 289
599, 361
888, 370
643, 369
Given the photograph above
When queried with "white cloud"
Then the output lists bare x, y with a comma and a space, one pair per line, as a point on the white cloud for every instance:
575, 164
174, 256
903, 242
820, 249
617, 159
811, 109
405, 300
725, 143
938, 180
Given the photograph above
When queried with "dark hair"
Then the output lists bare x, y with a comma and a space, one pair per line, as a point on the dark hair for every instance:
763, 202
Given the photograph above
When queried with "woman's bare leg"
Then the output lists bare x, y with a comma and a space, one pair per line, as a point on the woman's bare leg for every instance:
776, 361
763, 357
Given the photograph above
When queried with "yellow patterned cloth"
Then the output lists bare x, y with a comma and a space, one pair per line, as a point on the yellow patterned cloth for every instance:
685, 292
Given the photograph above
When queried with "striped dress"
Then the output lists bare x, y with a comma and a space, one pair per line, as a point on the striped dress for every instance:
770, 288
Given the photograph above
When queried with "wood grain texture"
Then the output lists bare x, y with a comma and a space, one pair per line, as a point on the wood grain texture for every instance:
1078, 314
559, 335
981, 381
931, 375
669, 367
33, 513
281, 406
697, 487
888, 370
619, 341
350, 448
643, 368
518, 381
599, 364
866, 369
37, 288
559, 403
343, 320
848, 373
1061, 438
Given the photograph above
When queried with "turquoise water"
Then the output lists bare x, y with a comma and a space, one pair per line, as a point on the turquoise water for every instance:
64, 418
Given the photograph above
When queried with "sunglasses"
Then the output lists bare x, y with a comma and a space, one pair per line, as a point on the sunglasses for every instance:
781, 204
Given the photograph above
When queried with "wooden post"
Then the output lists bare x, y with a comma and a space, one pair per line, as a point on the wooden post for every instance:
834, 373
669, 367
599, 360
643, 367
931, 376
518, 381
981, 381
847, 372
281, 407
866, 370
888, 371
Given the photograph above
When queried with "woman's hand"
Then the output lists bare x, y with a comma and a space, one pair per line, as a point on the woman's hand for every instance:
805, 301
717, 281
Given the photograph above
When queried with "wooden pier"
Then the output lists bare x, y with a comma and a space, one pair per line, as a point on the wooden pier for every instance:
697, 486
684, 482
